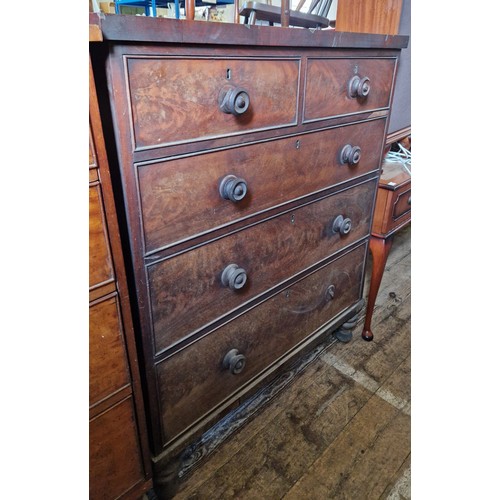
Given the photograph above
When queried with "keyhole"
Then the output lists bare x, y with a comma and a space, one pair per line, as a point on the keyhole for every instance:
228, 74
297, 144
292, 218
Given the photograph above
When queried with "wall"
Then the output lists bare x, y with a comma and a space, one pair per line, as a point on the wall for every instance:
401, 105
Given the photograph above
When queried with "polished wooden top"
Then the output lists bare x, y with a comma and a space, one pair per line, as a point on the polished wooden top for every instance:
394, 175
125, 28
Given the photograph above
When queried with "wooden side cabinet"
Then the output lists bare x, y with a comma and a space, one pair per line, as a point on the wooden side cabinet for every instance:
369, 16
119, 462
392, 213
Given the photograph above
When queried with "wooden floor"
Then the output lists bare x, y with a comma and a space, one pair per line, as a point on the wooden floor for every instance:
342, 428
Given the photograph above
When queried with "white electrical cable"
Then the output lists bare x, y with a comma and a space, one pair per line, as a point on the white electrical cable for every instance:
402, 156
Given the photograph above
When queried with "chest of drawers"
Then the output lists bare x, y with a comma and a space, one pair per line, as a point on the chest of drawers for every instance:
247, 159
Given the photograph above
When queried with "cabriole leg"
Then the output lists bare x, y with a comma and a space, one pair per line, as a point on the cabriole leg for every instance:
379, 248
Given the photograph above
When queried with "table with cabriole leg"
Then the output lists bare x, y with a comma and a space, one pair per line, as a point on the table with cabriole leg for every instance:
392, 213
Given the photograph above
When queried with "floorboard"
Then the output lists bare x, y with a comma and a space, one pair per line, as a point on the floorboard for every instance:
342, 428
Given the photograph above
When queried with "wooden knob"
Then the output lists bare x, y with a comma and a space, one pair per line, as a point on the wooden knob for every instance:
234, 101
234, 277
233, 188
341, 225
359, 87
350, 154
234, 361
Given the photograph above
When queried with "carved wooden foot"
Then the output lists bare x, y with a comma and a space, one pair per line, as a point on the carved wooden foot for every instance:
150, 495
344, 332
379, 248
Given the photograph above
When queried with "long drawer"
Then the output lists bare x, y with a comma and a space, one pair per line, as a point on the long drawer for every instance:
108, 366
189, 290
208, 372
182, 198
335, 86
100, 262
181, 99
114, 452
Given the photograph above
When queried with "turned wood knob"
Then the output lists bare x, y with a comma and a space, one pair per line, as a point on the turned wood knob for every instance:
359, 87
330, 292
350, 154
341, 225
234, 101
234, 277
233, 188
234, 361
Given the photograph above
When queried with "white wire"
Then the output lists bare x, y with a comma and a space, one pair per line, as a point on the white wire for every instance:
402, 156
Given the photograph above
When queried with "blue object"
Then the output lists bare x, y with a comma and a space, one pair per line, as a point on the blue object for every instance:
150, 5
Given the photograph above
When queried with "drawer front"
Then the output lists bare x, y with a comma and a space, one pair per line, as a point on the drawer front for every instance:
401, 208
194, 381
402, 204
187, 291
175, 100
108, 370
100, 263
114, 459
329, 80
182, 198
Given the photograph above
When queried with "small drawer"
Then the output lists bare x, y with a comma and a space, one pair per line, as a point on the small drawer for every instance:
205, 374
337, 87
175, 100
108, 370
402, 204
114, 459
184, 197
100, 263
193, 289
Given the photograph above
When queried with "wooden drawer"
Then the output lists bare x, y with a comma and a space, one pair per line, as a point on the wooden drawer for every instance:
392, 208
108, 368
194, 381
327, 86
114, 453
177, 99
100, 263
181, 198
186, 291
402, 204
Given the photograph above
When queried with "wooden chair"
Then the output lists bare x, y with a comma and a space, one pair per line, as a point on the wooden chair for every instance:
315, 17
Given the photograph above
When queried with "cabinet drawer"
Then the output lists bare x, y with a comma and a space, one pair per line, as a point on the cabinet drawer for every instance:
187, 291
194, 381
328, 86
400, 208
108, 370
114, 459
174, 100
402, 204
182, 198
100, 263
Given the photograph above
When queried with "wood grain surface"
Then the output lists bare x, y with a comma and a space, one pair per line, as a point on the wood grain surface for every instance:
186, 290
342, 430
180, 198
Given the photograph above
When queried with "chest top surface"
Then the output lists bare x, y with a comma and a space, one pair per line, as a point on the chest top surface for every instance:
122, 28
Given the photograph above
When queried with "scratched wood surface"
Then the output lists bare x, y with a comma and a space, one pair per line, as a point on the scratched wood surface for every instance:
342, 428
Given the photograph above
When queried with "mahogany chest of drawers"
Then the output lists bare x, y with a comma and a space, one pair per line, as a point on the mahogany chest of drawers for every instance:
248, 160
